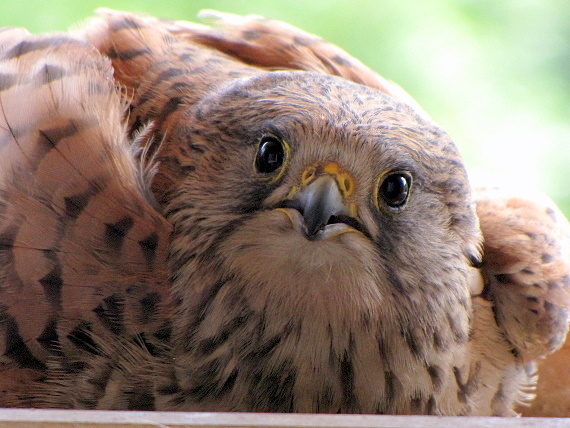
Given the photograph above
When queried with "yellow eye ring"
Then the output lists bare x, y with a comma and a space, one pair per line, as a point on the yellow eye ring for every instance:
272, 157
392, 190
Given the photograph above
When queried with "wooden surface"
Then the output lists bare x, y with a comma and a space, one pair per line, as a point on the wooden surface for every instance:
20, 418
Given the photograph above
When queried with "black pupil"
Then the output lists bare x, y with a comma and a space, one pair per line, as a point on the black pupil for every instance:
395, 189
270, 155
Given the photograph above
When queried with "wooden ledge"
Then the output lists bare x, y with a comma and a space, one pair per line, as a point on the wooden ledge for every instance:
34, 418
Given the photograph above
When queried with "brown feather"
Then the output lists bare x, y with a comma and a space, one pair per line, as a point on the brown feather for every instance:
389, 319
75, 206
526, 265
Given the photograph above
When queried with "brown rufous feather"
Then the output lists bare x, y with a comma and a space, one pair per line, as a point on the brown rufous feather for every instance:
81, 242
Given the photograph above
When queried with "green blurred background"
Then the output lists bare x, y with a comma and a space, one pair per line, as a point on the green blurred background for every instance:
494, 73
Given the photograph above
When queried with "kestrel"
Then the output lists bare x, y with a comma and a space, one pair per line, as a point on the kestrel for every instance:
245, 218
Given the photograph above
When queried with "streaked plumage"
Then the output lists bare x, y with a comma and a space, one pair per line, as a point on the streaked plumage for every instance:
222, 232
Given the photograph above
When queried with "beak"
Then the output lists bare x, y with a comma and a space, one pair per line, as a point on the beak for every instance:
323, 206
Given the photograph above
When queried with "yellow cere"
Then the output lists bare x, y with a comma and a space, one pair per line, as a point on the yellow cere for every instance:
344, 180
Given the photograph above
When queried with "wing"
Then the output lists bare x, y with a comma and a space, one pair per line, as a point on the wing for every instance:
526, 267
163, 77
274, 45
82, 246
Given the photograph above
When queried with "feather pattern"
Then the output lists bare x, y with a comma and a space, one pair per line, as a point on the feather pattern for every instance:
132, 225
81, 243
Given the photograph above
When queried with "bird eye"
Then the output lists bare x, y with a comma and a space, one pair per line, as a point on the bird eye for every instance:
394, 190
270, 154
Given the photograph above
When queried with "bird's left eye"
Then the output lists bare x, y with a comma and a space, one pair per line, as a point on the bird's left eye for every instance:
394, 190
270, 154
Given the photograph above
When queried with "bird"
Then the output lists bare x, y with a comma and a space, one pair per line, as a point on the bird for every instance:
242, 217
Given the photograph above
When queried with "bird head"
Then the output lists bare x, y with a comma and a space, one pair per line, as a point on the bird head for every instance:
313, 205
322, 161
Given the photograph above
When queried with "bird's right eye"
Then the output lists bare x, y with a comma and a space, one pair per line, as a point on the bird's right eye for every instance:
271, 154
